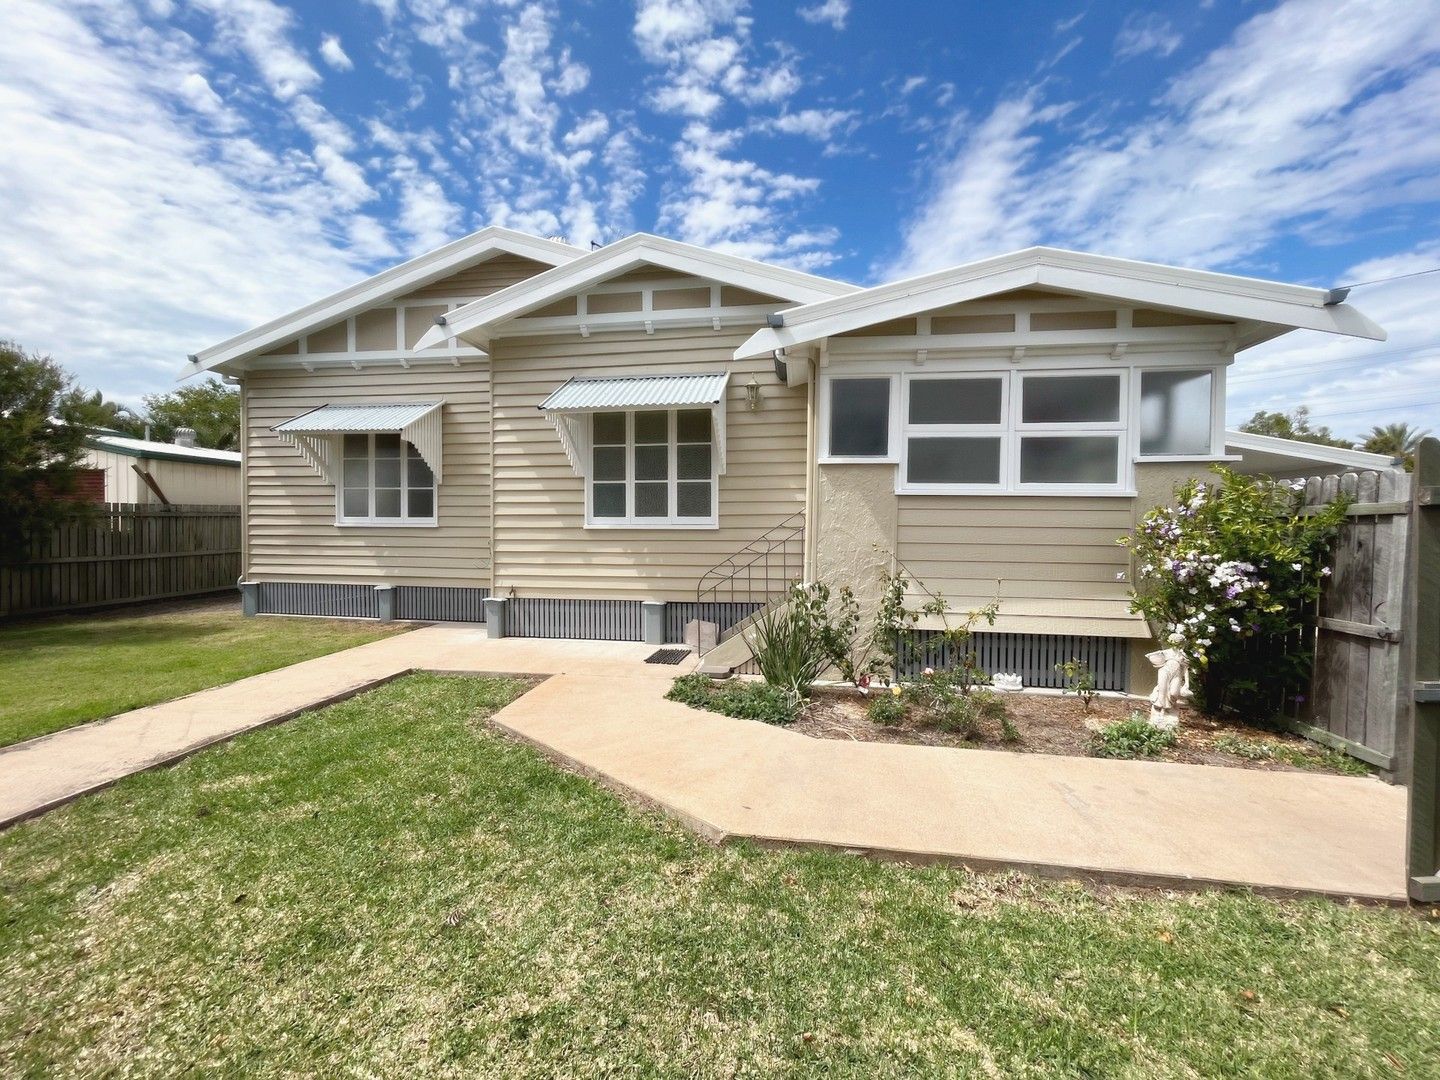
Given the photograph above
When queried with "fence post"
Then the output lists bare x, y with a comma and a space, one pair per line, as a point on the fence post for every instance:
1424, 678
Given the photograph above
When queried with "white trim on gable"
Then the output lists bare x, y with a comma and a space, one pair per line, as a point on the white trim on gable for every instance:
471, 322
1276, 306
382, 287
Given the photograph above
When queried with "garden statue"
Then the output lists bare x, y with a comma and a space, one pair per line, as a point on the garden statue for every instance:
1172, 687
1010, 683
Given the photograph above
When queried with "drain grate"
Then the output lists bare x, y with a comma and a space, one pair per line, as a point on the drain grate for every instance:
667, 656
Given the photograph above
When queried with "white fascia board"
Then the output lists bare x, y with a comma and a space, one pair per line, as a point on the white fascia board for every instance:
386, 285
1304, 451
641, 249
1123, 280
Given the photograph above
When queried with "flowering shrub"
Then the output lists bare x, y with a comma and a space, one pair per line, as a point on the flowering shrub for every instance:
1230, 575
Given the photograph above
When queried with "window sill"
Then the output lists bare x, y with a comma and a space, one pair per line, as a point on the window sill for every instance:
1043, 492
692, 526
385, 523
857, 461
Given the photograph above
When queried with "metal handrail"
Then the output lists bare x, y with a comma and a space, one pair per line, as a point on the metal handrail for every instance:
758, 558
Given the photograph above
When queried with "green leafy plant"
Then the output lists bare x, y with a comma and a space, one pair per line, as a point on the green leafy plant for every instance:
1133, 737
1080, 681
1230, 575
794, 642
740, 698
1297, 756
887, 710
897, 635
941, 700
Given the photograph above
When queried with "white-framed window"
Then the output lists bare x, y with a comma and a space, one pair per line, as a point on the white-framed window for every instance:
1070, 429
384, 481
1179, 413
858, 418
652, 468
954, 430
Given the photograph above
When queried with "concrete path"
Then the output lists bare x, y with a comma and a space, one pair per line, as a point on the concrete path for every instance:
43, 773
604, 713
1149, 822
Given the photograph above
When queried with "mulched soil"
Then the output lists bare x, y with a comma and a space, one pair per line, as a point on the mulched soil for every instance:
1051, 724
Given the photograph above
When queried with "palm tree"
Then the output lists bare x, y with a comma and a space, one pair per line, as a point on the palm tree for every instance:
1397, 440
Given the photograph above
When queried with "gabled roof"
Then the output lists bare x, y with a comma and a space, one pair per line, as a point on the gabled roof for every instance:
1124, 280
640, 249
386, 285
144, 448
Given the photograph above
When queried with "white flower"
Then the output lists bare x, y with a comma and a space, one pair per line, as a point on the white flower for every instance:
1294, 566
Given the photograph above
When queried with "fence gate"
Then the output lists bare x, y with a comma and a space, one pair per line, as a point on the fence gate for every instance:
1360, 641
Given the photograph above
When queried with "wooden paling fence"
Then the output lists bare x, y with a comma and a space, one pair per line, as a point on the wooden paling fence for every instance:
125, 553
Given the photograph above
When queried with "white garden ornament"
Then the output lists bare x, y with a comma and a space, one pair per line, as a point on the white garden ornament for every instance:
1010, 683
1172, 687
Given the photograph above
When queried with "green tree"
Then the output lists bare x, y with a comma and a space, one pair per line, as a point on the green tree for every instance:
93, 412
42, 433
1397, 440
1292, 425
211, 408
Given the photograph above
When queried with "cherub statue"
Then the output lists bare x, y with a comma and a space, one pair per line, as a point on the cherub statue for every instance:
1172, 687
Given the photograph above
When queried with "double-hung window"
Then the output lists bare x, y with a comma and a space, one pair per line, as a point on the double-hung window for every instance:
384, 481
653, 468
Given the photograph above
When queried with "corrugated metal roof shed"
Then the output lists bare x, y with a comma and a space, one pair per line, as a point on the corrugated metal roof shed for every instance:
638, 391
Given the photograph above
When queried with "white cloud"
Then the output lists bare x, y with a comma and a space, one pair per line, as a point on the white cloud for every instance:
913, 83
197, 92
334, 54
1311, 116
1143, 33
261, 31
818, 124
589, 130
834, 12
151, 235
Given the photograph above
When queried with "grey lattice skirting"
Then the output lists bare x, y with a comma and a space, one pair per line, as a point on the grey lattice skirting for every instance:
1032, 656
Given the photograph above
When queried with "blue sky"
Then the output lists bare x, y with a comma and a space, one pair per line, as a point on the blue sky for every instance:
176, 170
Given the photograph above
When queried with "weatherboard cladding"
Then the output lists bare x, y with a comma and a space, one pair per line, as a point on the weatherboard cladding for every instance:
638, 392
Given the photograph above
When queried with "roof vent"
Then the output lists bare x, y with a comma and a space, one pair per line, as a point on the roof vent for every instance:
184, 436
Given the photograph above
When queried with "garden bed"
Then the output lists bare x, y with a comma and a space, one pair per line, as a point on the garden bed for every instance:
1052, 724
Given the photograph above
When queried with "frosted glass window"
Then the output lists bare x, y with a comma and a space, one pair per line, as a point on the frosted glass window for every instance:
652, 466
859, 418
955, 401
652, 500
694, 500
1070, 399
1070, 459
1175, 416
608, 500
952, 461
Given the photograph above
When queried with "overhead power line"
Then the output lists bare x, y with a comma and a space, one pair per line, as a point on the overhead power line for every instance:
1397, 277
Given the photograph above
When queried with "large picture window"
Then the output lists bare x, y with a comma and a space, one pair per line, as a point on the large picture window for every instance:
384, 481
652, 468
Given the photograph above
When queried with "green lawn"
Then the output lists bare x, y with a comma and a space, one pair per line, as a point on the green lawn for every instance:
387, 888
58, 672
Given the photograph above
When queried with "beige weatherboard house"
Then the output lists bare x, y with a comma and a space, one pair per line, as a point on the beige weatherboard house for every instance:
615, 443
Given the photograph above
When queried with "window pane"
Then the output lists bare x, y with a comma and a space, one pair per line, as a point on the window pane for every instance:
652, 500
1071, 399
694, 500
387, 471
1073, 459
609, 428
357, 446
357, 472
609, 463
608, 500
387, 502
955, 401
1175, 412
953, 461
652, 462
652, 427
693, 462
421, 502
357, 503
859, 417
387, 446
692, 425
417, 473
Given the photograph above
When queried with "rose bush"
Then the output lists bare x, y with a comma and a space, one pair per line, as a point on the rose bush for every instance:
1230, 574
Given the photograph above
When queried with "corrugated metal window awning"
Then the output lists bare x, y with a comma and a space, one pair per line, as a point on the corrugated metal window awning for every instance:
569, 407
313, 433
638, 392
